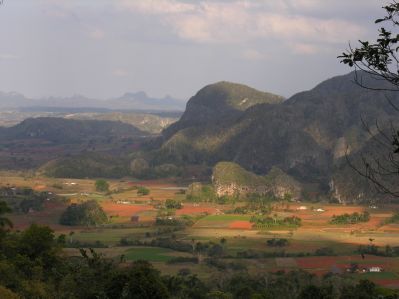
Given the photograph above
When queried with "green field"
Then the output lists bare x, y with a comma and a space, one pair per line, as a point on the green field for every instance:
226, 218
110, 236
152, 254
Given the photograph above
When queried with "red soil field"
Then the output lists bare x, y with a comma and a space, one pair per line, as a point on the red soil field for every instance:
39, 187
189, 209
390, 283
240, 225
124, 210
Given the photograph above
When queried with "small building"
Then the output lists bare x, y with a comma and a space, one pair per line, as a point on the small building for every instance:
320, 210
135, 218
375, 269
302, 208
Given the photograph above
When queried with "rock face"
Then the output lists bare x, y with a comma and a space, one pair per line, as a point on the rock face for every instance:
232, 180
306, 136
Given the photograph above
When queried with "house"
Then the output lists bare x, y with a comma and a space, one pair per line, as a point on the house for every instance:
320, 210
375, 269
302, 208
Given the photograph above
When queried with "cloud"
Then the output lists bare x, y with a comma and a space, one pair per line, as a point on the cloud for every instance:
157, 6
120, 73
247, 21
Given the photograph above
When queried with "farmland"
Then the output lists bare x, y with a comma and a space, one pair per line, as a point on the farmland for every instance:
133, 232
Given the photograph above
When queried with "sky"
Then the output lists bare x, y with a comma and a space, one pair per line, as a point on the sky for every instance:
104, 48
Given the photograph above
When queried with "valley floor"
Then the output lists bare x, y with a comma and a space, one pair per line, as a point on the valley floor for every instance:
243, 245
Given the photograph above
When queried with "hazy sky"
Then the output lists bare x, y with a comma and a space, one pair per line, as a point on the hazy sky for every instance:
105, 48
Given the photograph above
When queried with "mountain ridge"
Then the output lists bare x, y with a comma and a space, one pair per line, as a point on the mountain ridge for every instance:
304, 136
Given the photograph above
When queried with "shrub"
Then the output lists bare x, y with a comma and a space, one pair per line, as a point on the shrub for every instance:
350, 218
173, 204
141, 190
277, 242
324, 251
102, 186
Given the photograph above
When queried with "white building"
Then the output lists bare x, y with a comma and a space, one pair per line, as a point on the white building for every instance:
375, 269
302, 208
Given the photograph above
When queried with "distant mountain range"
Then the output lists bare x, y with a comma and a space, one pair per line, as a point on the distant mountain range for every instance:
128, 101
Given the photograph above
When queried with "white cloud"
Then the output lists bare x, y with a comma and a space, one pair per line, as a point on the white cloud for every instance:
157, 6
247, 21
120, 73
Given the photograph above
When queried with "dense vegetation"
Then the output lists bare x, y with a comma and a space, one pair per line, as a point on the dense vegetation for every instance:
87, 165
24, 200
277, 242
173, 204
62, 131
87, 213
350, 218
198, 192
394, 218
270, 222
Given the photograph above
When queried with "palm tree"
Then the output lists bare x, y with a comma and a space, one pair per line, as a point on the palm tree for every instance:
193, 244
4, 221
223, 242
71, 233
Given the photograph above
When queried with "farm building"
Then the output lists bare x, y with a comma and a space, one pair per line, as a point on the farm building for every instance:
302, 208
375, 269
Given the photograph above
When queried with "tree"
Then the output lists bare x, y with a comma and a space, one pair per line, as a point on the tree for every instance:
144, 282
87, 213
141, 190
380, 62
71, 233
173, 204
4, 221
102, 186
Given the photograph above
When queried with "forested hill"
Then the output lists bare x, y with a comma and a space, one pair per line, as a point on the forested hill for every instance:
61, 130
305, 136
220, 101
